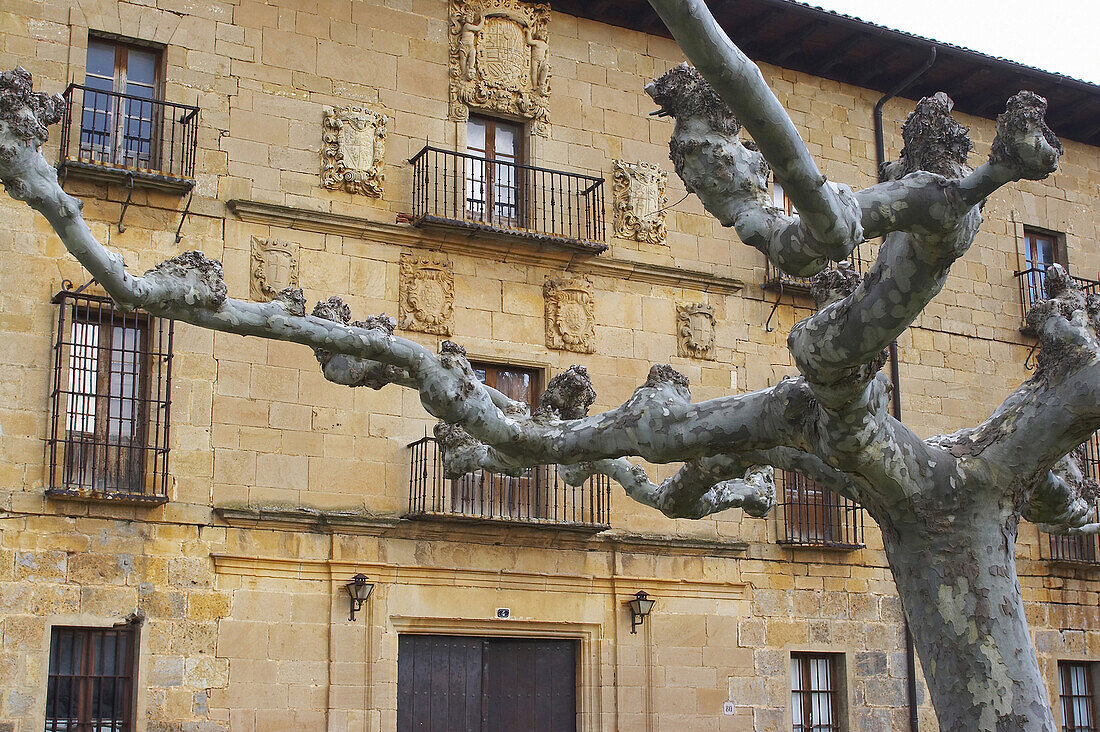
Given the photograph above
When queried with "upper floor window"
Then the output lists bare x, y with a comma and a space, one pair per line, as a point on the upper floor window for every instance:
813, 515
91, 679
1040, 250
815, 697
120, 119
117, 125
1076, 690
110, 402
505, 496
494, 183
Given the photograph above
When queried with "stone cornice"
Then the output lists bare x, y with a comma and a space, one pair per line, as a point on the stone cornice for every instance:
483, 243
338, 570
490, 532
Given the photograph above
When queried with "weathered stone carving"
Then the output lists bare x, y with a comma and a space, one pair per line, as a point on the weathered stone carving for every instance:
500, 59
570, 314
274, 268
354, 150
427, 294
695, 331
639, 194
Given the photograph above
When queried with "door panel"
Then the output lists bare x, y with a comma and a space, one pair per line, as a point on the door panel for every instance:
466, 684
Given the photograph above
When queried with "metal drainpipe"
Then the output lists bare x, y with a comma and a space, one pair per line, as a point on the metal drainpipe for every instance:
895, 377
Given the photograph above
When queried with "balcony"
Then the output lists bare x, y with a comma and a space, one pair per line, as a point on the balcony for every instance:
814, 516
551, 207
123, 138
538, 497
1080, 549
1032, 284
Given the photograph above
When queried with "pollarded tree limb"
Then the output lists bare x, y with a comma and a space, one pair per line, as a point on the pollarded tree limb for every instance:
828, 209
731, 180
1064, 499
658, 423
1054, 411
932, 221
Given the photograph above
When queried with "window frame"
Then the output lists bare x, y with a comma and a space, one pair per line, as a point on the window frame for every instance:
485, 208
82, 686
512, 497
109, 387
115, 153
815, 516
1065, 710
836, 693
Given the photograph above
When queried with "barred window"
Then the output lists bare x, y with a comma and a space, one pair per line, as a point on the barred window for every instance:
1076, 691
110, 402
91, 679
813, 515
815, 705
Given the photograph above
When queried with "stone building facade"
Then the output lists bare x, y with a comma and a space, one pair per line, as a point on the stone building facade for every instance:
322, 142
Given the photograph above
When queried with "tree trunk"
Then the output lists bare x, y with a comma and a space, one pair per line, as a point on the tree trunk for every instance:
955, 571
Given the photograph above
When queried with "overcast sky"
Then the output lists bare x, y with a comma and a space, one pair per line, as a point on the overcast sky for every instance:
1053, 35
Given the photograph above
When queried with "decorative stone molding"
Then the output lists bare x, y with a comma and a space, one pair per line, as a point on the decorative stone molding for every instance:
427, 294
499, 60
354, 150
695, 331
274, 268
638, 190
570, 314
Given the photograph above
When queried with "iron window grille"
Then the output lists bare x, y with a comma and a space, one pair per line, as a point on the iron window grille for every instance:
90, 686
1077, 695
812, 515
815, 694
110, 404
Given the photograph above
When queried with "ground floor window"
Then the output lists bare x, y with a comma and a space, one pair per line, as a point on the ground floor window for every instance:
815, 694
90, 687
1076, 691
469, 684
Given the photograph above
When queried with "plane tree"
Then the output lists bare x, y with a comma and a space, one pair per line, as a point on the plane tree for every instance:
948, 506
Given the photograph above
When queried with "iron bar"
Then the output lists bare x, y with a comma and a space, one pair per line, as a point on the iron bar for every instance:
538, 496
466, 189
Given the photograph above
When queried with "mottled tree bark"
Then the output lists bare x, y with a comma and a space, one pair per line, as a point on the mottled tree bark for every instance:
948, 506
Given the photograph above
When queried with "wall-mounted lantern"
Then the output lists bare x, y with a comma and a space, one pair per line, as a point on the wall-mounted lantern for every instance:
639, 609
358, 591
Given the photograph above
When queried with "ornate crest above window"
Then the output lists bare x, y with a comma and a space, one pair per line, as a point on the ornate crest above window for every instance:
427, 294
570, 314
353, 151
274, 267
695, 331
500, 59
639, 193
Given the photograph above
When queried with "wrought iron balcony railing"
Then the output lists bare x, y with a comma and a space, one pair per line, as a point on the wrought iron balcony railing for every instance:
813, 515
106, 134
536, 497
1032, 283
459, 189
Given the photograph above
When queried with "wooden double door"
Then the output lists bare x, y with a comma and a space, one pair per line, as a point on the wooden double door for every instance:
469, 684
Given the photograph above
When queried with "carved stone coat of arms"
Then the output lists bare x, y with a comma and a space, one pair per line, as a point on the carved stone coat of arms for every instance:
427, 294
695, 331
570, 314
353, 150
274, 267
500, 59
639, 194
